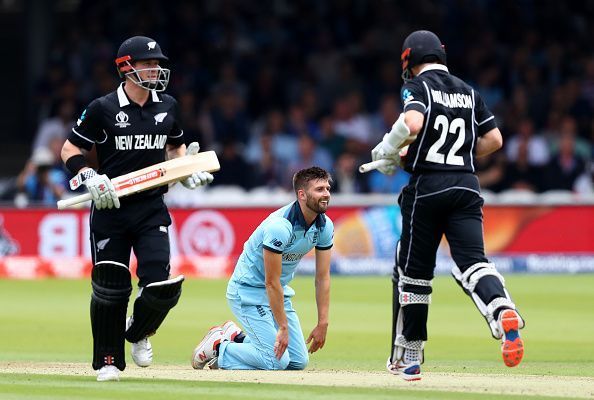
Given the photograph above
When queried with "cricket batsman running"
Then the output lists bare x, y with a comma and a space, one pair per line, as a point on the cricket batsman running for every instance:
133, 127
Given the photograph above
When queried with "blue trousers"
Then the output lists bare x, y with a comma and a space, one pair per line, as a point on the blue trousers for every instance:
257, 350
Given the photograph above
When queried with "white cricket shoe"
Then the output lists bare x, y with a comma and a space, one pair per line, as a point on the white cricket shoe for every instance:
207, 349
230, 330
108, 373
142, 351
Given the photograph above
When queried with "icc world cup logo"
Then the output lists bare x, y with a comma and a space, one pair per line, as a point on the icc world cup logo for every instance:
121, 119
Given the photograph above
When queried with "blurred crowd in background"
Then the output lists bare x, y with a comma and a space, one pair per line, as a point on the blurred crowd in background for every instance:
275, 86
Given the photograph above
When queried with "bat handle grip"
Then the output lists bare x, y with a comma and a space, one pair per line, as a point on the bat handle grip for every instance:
370, 166
62, 204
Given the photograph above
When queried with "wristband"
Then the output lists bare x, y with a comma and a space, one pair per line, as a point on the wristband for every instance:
76, 163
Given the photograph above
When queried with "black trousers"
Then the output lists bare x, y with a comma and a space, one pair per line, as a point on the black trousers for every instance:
140, 225
433, 205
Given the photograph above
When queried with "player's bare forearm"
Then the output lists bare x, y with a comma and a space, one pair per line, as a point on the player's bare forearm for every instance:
317, 337
323, 285
276, 299
175, 152
69, 150
414, 121
274, 289
489, 143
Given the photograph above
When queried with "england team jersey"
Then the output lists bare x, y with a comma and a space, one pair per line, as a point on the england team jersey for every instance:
284, 232
455, 116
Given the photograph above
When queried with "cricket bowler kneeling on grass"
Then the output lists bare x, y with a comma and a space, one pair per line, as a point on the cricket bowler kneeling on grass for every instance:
258, 292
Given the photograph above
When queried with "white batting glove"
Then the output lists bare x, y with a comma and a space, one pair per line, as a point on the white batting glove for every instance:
385, 151
199, 178
101, 189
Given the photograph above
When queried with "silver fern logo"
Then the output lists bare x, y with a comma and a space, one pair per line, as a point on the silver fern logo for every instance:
102, 243
160, 117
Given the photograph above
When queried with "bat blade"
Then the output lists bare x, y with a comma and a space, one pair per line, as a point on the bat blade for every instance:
155, 175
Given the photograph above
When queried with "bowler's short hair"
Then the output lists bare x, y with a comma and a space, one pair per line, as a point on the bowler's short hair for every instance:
303, 177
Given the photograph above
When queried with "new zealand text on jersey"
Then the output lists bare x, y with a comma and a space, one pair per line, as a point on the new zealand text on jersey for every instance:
452, 100
140, 142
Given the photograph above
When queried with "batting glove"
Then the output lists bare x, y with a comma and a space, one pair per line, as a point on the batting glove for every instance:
199, 178
385, 151
101, 189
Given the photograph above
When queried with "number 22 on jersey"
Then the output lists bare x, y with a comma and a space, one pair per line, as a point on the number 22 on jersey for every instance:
456, 127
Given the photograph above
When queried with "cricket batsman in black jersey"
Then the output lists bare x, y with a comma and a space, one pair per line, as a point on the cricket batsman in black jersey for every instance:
131, 128
445, 125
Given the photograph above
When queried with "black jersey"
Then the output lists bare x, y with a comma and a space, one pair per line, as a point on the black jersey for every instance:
128, 137
455, 116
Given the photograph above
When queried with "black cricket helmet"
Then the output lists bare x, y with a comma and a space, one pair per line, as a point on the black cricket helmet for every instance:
138, 48
421, 47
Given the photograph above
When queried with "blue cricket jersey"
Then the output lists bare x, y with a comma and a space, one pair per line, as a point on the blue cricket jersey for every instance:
284, 232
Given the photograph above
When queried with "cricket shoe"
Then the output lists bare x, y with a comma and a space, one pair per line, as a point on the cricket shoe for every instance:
207, 350
512, 347
230, 332
108, 373
408, 372
142, 351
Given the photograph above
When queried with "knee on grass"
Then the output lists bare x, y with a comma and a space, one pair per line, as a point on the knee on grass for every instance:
275, 364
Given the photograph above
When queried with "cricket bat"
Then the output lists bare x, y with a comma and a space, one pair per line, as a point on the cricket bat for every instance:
370, 166
155, 175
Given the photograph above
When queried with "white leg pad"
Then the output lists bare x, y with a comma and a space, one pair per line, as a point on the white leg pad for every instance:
405, 299
470, 278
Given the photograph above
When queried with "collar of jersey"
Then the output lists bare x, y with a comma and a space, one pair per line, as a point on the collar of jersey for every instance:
125, 101
433, 67
295, 217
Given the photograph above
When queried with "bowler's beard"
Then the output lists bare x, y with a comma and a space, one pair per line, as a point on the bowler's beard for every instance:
315, 205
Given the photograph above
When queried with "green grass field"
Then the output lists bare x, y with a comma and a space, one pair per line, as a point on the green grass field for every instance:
47, 321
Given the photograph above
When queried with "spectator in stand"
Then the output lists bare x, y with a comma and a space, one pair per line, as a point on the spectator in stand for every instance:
229, 82
537, 147
310, 103
347, 178
57, 126
333, 143
42, 181
383, 120
298, 124
350, 123
568, 127
565, 166
227, 117
284, 146
269, 170
520, 174
266, 92
234, 169
309, 155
